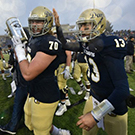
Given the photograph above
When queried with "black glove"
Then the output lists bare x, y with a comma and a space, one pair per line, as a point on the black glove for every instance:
130, 101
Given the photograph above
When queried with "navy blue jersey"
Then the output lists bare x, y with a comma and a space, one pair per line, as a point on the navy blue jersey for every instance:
80, 57
11, 56
107, 73
44, 87
63, 56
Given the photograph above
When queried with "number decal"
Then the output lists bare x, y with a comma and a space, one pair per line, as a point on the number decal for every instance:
53, 45
119, 43
95, 76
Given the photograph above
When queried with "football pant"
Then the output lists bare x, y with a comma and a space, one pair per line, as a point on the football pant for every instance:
39, 116
80, 68
62, 82
1, 65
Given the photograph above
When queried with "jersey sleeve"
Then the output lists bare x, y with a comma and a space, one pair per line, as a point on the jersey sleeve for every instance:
114, 47
119, 80
51, 47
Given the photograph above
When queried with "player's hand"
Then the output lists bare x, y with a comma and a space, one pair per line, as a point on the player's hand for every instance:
86, 121
19, 48
16, 41
66, 73
56, 17
4, 63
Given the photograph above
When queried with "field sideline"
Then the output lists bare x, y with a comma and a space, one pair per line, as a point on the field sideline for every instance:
68, 120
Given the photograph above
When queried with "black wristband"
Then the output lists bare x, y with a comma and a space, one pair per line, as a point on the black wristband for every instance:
95, 119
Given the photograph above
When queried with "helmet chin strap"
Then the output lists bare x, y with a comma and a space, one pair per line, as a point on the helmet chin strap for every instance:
85, 39
36, 32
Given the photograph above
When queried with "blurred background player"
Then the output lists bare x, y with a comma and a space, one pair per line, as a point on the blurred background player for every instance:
20, 93
130, 54
63, 74
11, 60
12, 70
81, 67
2, 64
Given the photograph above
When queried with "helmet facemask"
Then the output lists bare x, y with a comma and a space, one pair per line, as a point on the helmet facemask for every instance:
40, 28
87, 32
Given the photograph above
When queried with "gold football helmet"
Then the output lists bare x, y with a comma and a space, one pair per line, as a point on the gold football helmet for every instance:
40, 14
96, 19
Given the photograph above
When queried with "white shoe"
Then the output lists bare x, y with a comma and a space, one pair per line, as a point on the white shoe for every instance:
82, 90
61, 110
131, 89
87, 95
4, 78
67, 102
72, 90
59, 104
11, 95
64, 132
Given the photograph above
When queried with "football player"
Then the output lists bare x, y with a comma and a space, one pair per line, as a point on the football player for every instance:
81, 67
43, 54
2, 64
11, 59
63, 74
11, 68
106, 107
129, 56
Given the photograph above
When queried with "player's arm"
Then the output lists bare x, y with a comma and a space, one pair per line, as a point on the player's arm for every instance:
68, 60
74, 56
66, 72
72, 46
37, 65
90, 119
117, 71
119, 80
1, 54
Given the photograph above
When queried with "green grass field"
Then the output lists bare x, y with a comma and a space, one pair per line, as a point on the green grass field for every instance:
68, 120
